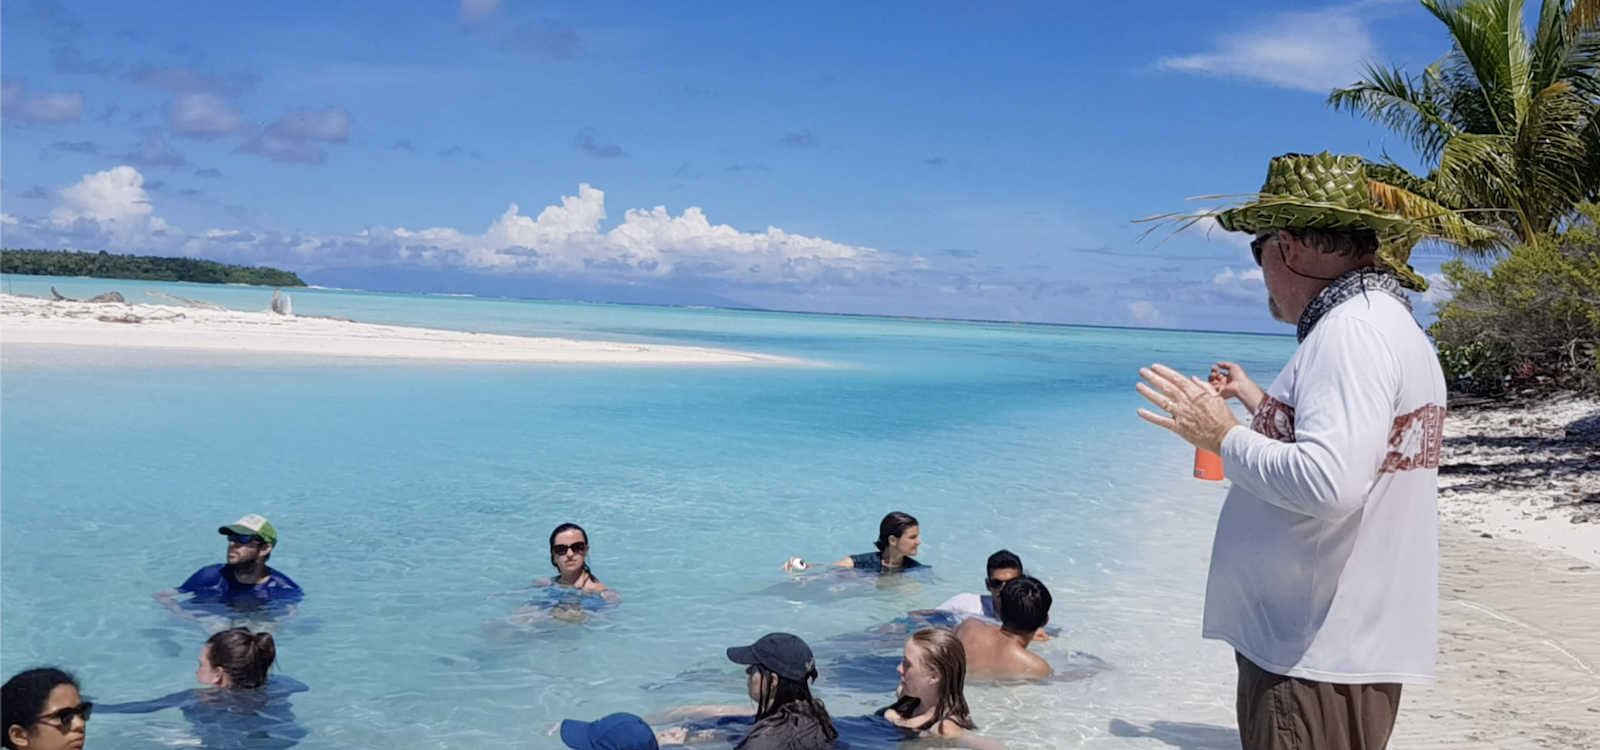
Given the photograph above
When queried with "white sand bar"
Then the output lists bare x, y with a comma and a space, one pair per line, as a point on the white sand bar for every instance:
29, 320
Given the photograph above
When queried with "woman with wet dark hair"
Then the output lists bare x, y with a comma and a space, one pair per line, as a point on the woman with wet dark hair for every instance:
779, 670
42, 710
899, 537
240, 700
573, 594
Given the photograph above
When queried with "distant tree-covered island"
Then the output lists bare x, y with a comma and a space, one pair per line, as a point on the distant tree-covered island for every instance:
141, 267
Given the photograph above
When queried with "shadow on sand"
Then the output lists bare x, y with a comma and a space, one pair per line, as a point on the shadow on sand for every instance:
1183, 735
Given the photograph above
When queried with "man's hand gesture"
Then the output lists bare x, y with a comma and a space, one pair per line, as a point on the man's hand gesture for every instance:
1199, 415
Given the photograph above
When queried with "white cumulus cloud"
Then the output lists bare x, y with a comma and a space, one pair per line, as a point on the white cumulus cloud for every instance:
1440, 290
566, 239
1313, 51
1145, 314
1248, 285
116, 194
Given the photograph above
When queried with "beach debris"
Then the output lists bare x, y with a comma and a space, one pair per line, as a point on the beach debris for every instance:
109, 297
57, 296
135, 318
188, 302
280, 303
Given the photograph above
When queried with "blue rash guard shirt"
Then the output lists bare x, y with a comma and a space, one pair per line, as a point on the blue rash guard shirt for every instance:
872, 562
215, 584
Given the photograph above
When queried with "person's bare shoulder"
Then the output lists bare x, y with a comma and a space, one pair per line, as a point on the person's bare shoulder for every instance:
1031, 666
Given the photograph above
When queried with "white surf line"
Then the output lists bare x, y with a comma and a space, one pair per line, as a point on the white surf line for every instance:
1514, 621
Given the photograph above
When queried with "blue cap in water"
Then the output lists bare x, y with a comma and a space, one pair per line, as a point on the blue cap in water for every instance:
614, 732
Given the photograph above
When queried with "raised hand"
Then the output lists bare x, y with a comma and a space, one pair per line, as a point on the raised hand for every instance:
1199, 415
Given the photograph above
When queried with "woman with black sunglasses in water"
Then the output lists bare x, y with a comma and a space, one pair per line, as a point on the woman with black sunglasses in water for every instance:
42, 710
573, 594
241, 705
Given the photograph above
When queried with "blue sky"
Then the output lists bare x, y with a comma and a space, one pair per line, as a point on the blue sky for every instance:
958, 159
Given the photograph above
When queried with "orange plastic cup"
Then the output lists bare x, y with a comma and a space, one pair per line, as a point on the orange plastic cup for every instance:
1207, 465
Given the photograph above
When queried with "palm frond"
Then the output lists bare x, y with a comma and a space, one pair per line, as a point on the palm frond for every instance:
1583, 16
1391, 98
1551, 154
1492, 52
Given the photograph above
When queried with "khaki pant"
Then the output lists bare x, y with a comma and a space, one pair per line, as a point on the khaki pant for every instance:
1288, 713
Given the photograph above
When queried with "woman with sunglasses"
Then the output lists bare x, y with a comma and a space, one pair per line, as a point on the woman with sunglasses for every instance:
572, 595
241, 704
42, 710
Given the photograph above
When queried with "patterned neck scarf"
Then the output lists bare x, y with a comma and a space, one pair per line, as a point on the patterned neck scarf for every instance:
1359, 281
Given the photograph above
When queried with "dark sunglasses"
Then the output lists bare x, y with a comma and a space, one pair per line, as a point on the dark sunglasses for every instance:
243, 540
64, 717
581, 548
1257, 244
994, 584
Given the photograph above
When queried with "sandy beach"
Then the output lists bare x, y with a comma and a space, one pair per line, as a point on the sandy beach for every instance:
1519, 610
34, 321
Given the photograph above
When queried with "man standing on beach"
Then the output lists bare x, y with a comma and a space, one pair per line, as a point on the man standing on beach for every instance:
1324, 570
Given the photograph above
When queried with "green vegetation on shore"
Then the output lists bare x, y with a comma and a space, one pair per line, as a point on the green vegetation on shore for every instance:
142, 267
1509, 127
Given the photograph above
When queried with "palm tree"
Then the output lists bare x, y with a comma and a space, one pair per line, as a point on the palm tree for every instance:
1510, 125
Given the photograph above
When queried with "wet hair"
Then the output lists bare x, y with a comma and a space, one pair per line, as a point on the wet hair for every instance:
556, 533
24, 697
244, 655
1004, 560
1023, 604
1354, 243
948, 660
893, 525
793, 696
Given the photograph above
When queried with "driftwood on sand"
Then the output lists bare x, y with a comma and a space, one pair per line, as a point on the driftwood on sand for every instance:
280, 303
107, 297
188, 302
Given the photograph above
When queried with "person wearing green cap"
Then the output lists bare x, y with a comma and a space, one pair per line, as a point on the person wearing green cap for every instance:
244, 583
1324, 570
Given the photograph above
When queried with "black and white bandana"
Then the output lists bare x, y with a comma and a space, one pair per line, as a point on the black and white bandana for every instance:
1359, 281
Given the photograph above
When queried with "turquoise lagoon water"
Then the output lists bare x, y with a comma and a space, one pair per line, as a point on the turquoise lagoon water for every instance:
405, 495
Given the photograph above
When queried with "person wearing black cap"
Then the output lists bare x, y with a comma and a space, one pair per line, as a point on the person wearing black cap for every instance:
781, 669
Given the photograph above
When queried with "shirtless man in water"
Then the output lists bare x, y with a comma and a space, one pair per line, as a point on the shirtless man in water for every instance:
1001, 653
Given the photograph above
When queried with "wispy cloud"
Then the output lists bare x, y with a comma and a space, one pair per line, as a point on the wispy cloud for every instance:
449, 152
77, 147
1314, 51
153, 151
801, 141
293, 137
546, 40
204, 116
478, 12
209, 172
183, 79
588, 142
21, 106
37, 193
402, 145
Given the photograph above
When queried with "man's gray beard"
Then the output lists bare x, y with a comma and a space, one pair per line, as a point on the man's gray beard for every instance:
1277, 314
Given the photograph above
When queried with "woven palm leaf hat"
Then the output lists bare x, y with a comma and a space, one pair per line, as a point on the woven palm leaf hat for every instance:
1324, 191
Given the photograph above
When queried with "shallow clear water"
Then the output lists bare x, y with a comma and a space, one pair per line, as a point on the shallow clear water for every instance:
406, 495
